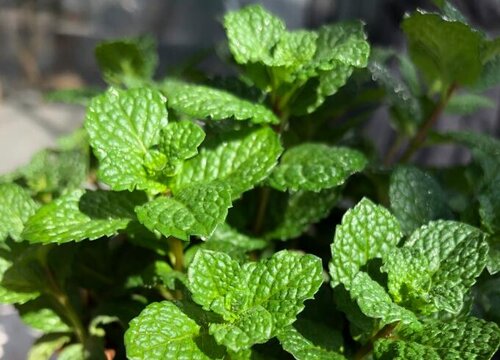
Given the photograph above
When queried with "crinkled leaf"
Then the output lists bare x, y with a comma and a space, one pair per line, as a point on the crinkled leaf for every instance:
163, 331
416, 198
315, 167
456, 254
195, 210
374, 302
256, 300
241, 160
129, 61
303, 209
45, 346
467, 338
78, 215
448, 51
16, 206
123, 125
367, 231
253, 33
179, 141
204, 102
304, 349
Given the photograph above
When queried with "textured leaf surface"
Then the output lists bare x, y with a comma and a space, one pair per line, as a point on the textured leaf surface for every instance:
241, 160
204, 102
123, 125
163, 331
303, 209
315, 167
467, 338
367, 231
78, 215
456, 253
374, 302
444, 50
416, 198
179, 141
256, 299
252, 33
16, 206
128, 61
195, 210
304, 349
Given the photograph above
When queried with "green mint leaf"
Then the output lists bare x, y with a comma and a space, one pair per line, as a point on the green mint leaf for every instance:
78, 215
16, 206
374, 301
204, 102
467, 338
416, 198
72, 352
304, 349
445, 51
39, 315
253, 33
303, 209
489, 206
163, 331
46, 345
195, 210
179, 141
128, 61
9, 296
256, 300
123, 125
466, 104
315, 167
456, 254
367, 231
241, 160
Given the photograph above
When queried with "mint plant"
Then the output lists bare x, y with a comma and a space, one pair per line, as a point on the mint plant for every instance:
249, 217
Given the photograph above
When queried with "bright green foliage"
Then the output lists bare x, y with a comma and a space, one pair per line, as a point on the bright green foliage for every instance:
303, 209
314, 167
253, 33
241, 160
128, 61
204, 102
302, 348
256, 300
467, 338
163, 331
16, 206
446, 257
9, 296
445, 51
374, 302
77, 216
194, 210
416, 198
123, 125
179, 141
367, 231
